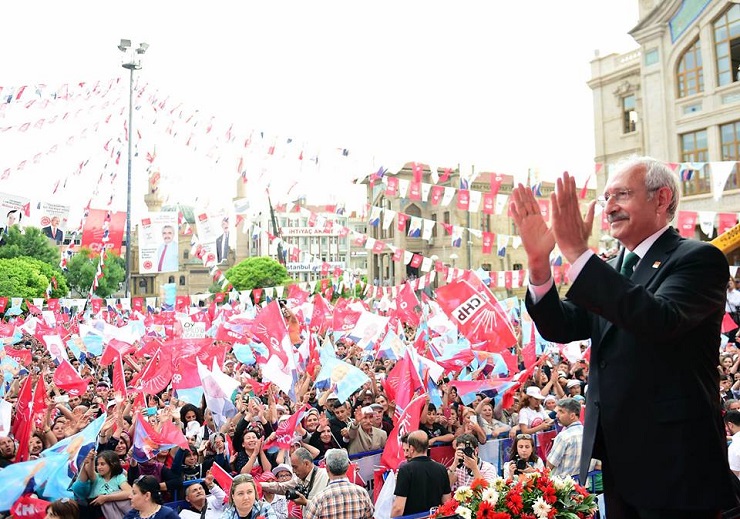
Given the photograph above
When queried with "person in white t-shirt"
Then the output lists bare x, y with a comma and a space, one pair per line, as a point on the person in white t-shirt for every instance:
732, 419
532, 416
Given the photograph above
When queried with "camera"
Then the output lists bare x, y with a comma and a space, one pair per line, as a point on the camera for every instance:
469, 451
292, 494
520, 466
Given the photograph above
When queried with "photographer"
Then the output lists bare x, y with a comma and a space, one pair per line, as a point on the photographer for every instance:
524, 459
308, 480
467, 466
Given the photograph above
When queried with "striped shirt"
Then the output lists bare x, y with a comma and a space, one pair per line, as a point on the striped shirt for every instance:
565, 455
340, 500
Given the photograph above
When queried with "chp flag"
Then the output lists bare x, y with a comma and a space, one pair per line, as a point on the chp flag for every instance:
479, 316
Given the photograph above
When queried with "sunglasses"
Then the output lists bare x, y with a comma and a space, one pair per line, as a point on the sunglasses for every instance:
523, 436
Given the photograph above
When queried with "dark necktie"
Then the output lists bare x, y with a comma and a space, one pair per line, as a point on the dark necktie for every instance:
628, 264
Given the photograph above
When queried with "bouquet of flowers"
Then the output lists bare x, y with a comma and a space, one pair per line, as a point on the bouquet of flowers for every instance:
533, 496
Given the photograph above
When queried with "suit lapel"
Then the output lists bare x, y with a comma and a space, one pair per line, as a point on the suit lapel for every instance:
656, 257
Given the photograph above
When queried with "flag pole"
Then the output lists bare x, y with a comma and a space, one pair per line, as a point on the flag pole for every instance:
276, 231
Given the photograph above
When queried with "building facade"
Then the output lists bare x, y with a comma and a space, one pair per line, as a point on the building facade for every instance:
676, 97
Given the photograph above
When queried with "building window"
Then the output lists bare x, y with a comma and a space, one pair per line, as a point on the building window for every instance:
171, 279
629, 113
727, 45
485, 222
730, 134
185, 254
690, 77
651, 57
694, 149
434, 227
446, 217
182, 281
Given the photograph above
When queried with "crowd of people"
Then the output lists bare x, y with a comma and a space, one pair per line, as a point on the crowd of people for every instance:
646, 316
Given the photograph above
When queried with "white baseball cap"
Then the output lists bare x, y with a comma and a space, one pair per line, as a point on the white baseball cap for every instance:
535, 392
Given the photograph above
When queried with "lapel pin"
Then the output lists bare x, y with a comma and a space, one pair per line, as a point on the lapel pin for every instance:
656, 264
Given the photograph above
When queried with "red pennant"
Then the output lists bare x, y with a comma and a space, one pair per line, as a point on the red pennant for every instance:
407, 422
66, 378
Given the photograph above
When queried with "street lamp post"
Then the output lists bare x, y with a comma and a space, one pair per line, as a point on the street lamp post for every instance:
131, 62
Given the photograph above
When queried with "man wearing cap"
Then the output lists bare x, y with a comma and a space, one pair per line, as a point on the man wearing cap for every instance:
363, 435
574, 387
201, 506
306, 476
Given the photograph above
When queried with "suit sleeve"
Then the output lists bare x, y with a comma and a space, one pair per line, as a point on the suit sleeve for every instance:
691, 288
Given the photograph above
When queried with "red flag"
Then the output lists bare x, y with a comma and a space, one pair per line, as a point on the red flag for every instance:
728, 324
402, 382
3, 304
469, 304
28, 507
222, 477
119, 382
258, 388
113, 349
345, 319
23, 423
66, 378
296, 296
269, 327
407, 422
529, 354
584, 189
321, 316
286, 429
408, 308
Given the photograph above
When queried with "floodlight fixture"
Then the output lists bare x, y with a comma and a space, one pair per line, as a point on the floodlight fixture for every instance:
124, 45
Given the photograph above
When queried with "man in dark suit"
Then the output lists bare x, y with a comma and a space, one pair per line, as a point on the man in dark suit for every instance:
222, 242
653, 414
53, 231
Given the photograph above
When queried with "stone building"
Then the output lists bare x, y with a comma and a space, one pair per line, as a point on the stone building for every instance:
676, 97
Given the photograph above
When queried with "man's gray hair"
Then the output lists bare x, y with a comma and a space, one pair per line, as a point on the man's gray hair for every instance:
337, 461
303, 454
657, 175
570, 405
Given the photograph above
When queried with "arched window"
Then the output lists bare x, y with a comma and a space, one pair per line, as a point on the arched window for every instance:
727, 45
690, 75
182, 281
171, 279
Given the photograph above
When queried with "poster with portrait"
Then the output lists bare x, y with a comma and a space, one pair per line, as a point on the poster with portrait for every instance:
216, 234
53, 220
14, 210
103, 229
158, 243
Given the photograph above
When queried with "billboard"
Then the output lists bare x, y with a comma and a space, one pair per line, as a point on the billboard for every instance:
216, 234
103, 229
53, 220
14, 210
158, 243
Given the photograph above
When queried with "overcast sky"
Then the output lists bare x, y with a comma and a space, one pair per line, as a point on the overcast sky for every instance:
499, 85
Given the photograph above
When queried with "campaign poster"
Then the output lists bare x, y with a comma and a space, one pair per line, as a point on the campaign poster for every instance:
103, 230
216, 234
158, 243
14, 210
53, 220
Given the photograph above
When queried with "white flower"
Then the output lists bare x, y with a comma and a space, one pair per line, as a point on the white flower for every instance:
464, 512
463, 493
489, 494
541, 508
557, 482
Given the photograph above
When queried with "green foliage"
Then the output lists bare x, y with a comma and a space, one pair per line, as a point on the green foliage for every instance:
81, 269
28, 277
257, 272
31, 243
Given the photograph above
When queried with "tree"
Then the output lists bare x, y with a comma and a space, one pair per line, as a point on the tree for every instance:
257, 272
30, 243
81, 269
28, 277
